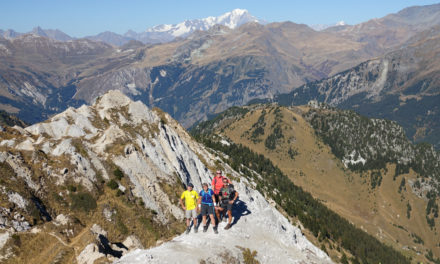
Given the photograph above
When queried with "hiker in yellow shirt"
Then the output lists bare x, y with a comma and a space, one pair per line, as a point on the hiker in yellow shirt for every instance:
191, 197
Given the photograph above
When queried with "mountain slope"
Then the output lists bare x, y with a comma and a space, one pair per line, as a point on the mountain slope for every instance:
392, 30
54, 34
38, 75
9, 34
224, 67
110, 38
365, 170
399, 83
292, 171
96, 182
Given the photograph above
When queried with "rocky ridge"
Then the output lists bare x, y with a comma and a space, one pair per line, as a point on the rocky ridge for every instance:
153, 156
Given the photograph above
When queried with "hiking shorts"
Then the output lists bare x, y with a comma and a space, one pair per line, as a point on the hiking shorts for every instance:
207, 209
226, 205
191, 213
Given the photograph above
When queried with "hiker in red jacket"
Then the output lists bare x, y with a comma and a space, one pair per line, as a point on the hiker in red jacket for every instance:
217, 184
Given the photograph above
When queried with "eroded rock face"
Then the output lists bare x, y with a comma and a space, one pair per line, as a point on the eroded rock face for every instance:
13, 221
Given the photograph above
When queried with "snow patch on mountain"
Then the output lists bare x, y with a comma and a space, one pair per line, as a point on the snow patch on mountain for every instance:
320, 27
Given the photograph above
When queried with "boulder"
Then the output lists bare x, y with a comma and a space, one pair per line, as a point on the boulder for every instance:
89, 254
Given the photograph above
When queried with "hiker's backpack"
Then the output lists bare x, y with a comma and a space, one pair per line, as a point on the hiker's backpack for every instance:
231, 191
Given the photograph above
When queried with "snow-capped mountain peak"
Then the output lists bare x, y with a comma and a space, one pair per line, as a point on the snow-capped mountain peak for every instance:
166, 32
320, 27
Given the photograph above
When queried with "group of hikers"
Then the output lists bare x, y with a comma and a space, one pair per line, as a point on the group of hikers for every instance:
215, 203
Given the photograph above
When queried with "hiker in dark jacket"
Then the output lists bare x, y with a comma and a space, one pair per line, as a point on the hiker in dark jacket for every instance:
217, 184
206, 199
227, 197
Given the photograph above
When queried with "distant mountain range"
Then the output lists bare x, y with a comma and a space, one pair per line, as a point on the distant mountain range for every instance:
157, 34
206, 72
167, 32
54, 34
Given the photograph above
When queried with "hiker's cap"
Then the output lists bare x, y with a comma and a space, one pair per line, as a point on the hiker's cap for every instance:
191, 185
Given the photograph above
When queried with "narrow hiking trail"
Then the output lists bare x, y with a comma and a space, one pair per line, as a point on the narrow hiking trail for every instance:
256, 225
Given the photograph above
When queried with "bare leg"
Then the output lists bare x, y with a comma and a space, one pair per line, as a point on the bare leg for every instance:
204, 220
195, 222
188, 222
217, 212
230, 217
212, 219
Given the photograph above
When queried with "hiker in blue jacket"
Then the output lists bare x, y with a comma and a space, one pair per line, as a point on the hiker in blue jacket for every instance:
206, 201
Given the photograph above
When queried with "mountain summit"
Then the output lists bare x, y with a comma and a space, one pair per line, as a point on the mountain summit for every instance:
168, 32
231, 19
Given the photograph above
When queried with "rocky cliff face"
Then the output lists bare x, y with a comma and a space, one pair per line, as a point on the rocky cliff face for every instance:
91, 177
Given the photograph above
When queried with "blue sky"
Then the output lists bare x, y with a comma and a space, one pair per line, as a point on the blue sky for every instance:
79, 18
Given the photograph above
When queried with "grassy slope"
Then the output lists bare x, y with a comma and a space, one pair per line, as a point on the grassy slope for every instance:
378, 211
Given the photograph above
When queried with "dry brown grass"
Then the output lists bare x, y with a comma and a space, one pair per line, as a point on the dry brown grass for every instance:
38, 249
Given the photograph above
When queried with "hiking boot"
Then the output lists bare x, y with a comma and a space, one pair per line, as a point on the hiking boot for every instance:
227, 226
187, 230
215, 229
205, 228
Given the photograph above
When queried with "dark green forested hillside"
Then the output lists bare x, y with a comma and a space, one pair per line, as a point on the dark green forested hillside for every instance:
377, 142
